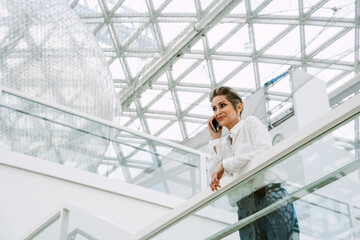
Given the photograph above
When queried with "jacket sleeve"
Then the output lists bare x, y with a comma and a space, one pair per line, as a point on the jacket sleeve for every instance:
260, 139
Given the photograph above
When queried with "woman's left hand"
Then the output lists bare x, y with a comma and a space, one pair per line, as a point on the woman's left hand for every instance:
216, 176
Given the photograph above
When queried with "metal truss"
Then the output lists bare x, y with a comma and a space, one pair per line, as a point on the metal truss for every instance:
160, 56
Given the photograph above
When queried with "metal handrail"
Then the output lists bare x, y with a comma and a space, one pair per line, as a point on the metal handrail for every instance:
318, 128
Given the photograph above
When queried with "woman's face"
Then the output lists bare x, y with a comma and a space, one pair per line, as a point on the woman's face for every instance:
224, 112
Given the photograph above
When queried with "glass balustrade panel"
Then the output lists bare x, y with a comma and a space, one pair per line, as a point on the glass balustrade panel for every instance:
47, 133
50, 231
322, 179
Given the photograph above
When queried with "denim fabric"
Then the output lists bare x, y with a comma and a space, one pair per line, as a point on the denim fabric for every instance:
281, 224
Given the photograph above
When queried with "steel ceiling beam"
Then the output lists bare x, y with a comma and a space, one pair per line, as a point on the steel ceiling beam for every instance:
249, 15
173, 54
328, 42
302, 34
357, 40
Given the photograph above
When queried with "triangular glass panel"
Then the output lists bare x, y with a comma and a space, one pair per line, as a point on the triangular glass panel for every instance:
136, 124
336, 9
162, 80
203, 108
199, 75
324, 74
172, 133
123, 120
132, 106
119, 87
156, 124
181, 66
255, 4
103, 37
111, 152
188, 98
116, 69
218, 32
125, 30
143, 158
289, 45
148, 96
239, 42
339, 49
118, 174
126, 150
205, 4
133, 7
270, 71
87, 7
349, 56
309, 4
170, 30
223, 68
317, 35
145, 41
266, 32
165, 103
157, 4
199, 46
180, 6
281, 7
137, 65
239, 9
244, 79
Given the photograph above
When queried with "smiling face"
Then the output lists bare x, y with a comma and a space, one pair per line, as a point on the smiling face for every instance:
224, 112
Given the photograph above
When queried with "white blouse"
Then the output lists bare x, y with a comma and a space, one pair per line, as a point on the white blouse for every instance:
250, 138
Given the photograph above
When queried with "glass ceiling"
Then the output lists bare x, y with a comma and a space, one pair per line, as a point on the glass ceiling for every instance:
166, 55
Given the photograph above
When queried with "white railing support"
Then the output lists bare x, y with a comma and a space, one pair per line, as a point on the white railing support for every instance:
64, 223
203, 178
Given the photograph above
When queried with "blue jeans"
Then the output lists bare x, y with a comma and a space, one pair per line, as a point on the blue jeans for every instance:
281, 224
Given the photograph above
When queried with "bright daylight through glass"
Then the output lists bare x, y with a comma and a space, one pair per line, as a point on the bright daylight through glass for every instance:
163, 89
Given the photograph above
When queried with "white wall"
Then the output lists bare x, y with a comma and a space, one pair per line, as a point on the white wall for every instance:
32, 189
28, 197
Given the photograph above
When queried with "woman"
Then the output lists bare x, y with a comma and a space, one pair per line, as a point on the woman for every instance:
247, 139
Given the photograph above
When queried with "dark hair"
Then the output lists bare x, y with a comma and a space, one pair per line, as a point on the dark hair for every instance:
230, 94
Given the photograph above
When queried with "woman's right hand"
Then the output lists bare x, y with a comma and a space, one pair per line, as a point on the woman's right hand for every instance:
213, 134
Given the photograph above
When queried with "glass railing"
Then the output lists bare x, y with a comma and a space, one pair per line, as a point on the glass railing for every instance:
76, 140
322, 170
73, 223
50, 230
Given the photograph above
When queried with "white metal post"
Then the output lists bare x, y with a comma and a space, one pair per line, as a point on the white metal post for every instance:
64, 223
203, 181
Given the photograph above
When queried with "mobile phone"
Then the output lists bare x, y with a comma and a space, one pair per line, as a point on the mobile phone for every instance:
215, 125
